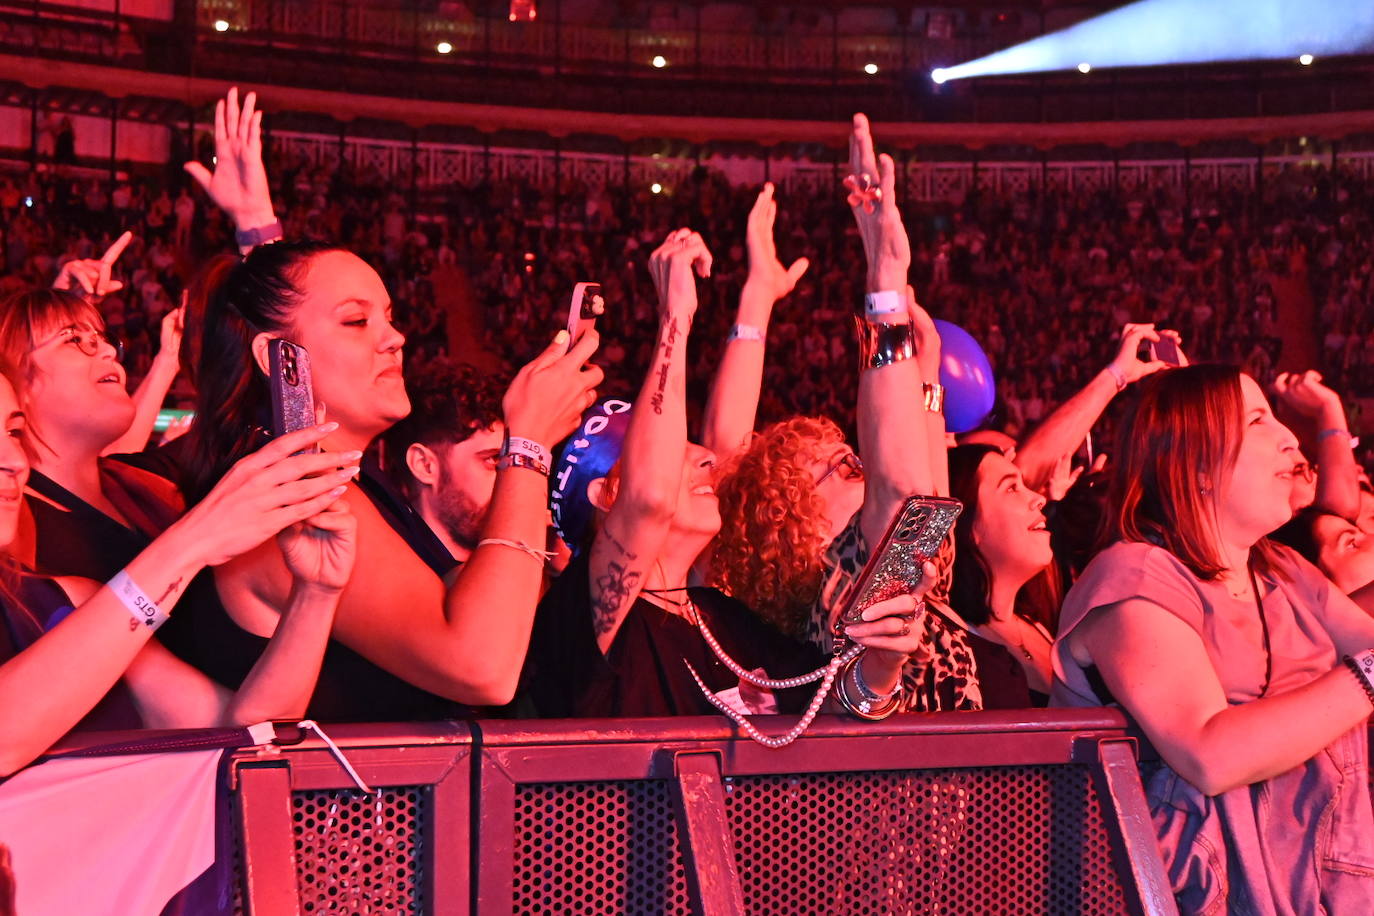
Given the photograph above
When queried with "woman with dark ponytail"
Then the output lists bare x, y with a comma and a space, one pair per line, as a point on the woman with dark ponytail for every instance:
400, 625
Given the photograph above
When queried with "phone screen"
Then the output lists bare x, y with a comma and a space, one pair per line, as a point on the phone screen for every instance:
1165, 351
586, 306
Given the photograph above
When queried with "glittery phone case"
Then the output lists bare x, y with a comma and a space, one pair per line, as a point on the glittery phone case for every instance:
894, 566
293, 401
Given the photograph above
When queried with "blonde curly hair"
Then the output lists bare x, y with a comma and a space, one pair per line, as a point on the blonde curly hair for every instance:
774, 528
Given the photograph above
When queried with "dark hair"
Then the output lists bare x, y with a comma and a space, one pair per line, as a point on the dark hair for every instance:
258, 295
448, 402
1300, 532
970, 593
1185, 427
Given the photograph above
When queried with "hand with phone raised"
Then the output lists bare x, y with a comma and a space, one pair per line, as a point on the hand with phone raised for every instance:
275, 488
1128, 368
545, 400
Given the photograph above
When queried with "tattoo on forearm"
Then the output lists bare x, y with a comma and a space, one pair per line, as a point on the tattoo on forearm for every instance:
614, 587
669, 341
171, 590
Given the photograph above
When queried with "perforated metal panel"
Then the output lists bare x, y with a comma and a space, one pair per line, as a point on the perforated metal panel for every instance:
972, 841
360, 854
597, 847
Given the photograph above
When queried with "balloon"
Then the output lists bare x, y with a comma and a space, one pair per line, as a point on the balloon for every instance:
966, 375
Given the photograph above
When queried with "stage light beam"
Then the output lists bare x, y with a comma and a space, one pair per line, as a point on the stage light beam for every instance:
871, 69
659, 61
221, 25
1151, 33
444, 47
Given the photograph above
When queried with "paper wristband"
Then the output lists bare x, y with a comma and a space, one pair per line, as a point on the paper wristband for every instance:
515, 445
884, 302
745, 332
143, 609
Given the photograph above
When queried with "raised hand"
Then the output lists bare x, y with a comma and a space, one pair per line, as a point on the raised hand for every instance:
92, 275
1304, 394
767, 276
173, 323
1128, 365
671, 267
892, 631
269, 490
319, 551
546, 398
872, 186
238, 185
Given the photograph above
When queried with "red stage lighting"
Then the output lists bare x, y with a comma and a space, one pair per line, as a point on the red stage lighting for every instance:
523, 11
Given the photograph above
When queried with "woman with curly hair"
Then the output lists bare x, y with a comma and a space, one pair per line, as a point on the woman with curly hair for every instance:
798, 509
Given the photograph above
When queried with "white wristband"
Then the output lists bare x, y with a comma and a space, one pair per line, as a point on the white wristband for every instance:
883, 303
745, 332
143, 609
514, 445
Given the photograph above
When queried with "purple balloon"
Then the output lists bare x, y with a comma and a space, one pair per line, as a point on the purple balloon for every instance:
970, 389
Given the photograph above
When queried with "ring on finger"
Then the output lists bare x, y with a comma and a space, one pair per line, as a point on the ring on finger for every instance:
906, 627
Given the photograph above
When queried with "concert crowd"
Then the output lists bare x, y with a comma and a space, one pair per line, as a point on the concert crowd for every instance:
690, 490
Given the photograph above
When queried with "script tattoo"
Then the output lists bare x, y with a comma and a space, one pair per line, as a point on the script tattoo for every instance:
670, 340
615, 585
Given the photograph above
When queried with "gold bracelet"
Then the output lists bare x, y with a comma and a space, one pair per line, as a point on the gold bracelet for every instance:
864, 709
935, 398
884, 344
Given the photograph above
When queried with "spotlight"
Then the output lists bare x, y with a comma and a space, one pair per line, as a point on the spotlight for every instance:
1306, 60
221, 25
444, 47
871, 69
523, 11
939, 74
659, 61
656, 188
1085, 67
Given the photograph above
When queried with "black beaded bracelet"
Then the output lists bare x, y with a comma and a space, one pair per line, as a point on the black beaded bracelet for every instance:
1360, 676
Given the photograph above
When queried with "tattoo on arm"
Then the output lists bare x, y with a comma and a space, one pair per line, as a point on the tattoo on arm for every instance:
614, 586
171, 590
669, 341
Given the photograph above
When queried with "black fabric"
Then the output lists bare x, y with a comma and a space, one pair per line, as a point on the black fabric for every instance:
643, 674
1002, 678
403, 519
42, 600
86, 542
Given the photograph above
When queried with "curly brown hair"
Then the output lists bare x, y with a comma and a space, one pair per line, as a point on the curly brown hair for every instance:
774, 528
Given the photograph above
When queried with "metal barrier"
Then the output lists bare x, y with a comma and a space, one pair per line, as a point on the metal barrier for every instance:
1040, 812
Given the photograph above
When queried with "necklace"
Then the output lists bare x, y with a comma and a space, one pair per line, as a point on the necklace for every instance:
1018, 644
1264, 630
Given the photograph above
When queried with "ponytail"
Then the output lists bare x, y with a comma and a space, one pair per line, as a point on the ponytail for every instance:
256, 295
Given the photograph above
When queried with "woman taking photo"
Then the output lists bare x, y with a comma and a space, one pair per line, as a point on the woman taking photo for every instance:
1247, 669
92, 636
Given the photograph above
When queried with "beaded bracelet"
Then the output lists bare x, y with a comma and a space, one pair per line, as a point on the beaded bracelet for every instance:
1362, 666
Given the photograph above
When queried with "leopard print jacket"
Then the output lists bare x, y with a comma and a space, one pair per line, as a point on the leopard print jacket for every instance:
941, 675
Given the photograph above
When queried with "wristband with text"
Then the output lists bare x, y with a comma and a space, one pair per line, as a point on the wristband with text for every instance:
745, 332
883, 303
259, 235
141, 608
515, 445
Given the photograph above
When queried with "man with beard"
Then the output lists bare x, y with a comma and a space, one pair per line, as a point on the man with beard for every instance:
442, 457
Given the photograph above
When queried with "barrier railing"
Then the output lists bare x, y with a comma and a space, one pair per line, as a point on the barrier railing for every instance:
957, 813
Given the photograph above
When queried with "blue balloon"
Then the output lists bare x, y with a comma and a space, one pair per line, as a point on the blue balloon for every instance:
966, 374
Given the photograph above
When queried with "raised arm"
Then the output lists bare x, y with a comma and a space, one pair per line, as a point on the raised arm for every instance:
266, 492
652, 459
891, 412
152, 391
732, 405
1064, 430
1325, 436
1159, 670
238, 186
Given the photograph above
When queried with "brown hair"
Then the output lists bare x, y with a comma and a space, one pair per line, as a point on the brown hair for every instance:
1181, 436
773, 523
37, 311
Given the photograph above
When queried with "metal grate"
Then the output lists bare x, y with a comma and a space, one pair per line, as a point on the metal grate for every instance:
1006, 840
360, 854
597, 847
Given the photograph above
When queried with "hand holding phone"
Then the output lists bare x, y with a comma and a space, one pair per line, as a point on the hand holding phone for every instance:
894, 566
293, 397
1166, 350
586, 306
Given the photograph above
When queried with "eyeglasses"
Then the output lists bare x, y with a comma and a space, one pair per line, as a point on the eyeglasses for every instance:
849, 467
87, 339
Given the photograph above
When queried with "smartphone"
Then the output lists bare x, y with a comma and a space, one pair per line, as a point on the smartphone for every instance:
586, 306
293, 400
894, 567
1165, 351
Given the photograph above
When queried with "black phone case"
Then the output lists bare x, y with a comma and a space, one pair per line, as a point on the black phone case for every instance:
894, 566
